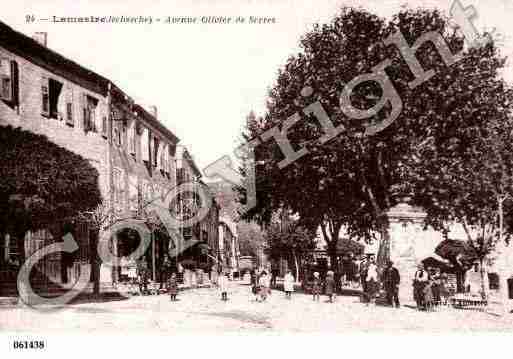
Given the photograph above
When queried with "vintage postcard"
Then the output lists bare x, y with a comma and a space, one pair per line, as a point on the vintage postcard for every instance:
253, 167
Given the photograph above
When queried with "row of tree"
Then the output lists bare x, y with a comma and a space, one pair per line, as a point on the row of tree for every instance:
449, 151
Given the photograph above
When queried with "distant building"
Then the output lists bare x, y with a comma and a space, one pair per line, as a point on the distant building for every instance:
229, 252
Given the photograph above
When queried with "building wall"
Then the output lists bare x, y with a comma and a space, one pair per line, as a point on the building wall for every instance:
92, 146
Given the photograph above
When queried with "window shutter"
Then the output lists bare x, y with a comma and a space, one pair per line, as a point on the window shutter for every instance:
103, 119
85, 112
171, 163
45, 96
104, 126
163, 162
92, 115
151, 153
131, 137
145, 144
15, 83
158, 148
155, 152
69, 106
6, 78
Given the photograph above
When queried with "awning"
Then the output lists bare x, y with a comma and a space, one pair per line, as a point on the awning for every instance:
451, 249
437, 262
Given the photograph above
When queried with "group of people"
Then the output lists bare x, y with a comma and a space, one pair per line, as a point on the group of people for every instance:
370, 282
329, 285
222, 284
260, 285
429, 288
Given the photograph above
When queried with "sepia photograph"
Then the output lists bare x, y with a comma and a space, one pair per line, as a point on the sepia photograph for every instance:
258, 169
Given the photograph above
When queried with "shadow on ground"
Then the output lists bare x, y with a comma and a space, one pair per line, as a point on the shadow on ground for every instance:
244, 317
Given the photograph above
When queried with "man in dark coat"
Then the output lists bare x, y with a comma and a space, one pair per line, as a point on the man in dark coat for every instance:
391, 280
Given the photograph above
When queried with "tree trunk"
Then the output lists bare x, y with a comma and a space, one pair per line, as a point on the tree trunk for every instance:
94, 261
482, 272
332, 253
3, 248
384, 246
503, 284
296, 264
460, 280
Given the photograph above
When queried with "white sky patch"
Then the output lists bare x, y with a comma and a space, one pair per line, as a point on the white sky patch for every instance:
205, 79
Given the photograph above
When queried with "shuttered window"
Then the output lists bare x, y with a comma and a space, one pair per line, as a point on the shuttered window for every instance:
131, 137
89, 108
50, 93
9, 82
145, 145
45, 97
69, 106
104, 126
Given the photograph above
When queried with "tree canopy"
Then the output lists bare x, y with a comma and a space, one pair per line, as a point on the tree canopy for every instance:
353, 180
41, 183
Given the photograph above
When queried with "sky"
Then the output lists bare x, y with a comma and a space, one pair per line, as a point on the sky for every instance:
205, 79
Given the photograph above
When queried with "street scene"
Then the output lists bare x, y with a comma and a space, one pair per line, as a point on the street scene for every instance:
344, 167
202, 310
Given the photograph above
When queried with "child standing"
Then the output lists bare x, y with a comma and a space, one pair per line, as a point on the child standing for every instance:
316, 286
172, 287
288, 284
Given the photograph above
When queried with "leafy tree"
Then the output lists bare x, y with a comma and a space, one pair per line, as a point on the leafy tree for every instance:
291, 241
353, 180
469, 179
42, 185
251, 238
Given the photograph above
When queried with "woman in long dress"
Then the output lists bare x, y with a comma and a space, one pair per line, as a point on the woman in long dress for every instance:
288, 284
372, 281
264, 284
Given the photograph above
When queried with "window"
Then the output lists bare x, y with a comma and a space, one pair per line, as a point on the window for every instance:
50, 92
118, 189
145, 155
117, 136
146, 191
104, 126
133, 193
45, 98
163, 162
5, 68
9, 77
69, 106
89, 107
131, 138
155, 153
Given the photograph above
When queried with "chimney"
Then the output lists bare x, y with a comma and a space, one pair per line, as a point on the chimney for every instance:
154, 111
41, 38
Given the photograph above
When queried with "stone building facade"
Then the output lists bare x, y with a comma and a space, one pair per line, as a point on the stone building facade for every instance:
45, 93
84, 112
